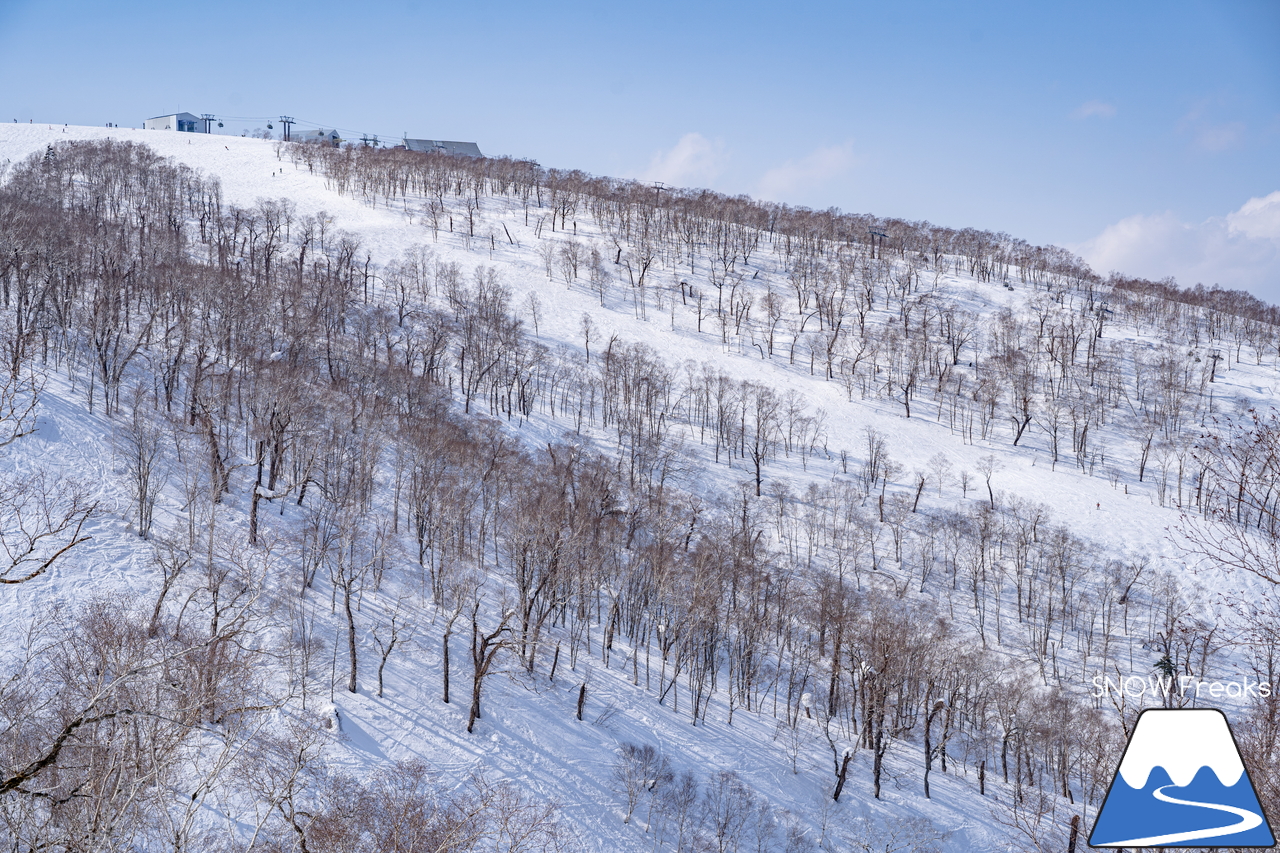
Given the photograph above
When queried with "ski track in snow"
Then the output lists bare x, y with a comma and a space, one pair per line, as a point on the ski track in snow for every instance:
528, 733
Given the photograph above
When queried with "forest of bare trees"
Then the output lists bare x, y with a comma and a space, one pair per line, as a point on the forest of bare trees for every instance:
344, 433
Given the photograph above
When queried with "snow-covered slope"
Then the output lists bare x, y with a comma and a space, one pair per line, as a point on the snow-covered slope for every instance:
530, 732
250, 170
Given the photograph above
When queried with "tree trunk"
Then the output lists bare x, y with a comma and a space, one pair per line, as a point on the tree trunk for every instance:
844, 769
253, 516
878, 763
351, 637
444, 669
475, 703
928, 755
383, 665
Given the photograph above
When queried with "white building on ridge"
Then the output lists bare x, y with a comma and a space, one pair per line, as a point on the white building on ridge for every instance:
185, 122
468, 149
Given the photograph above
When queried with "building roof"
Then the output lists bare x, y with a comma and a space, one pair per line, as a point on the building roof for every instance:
313, 134
469, 149
184, 116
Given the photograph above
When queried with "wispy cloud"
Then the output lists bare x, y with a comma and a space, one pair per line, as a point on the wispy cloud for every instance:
1094, 109
1208, 133
1220, 137
785, 181
694, 161
1239, 250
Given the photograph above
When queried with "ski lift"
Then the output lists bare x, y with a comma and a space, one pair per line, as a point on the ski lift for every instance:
270, 126
219, 124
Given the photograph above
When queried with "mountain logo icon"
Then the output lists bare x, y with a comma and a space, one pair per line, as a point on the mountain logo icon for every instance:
1181, 783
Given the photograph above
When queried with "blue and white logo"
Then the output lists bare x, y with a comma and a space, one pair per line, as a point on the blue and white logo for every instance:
1181, 783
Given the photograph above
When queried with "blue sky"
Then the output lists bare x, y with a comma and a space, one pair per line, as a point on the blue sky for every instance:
1144, 135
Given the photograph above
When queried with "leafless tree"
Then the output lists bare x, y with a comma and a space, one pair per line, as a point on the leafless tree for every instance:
394, 628
638, 769
1238, 525
19, 395
547, 251
140, 440
599, 274
941, 467
361, 552
572, 256
171, 557
485, 648
42, 517
987, 467
727, 805
896, 835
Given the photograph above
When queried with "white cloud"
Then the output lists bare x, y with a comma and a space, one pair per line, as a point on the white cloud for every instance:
1091, 109
695, 161
784, 182
1238, 251
1258, 218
